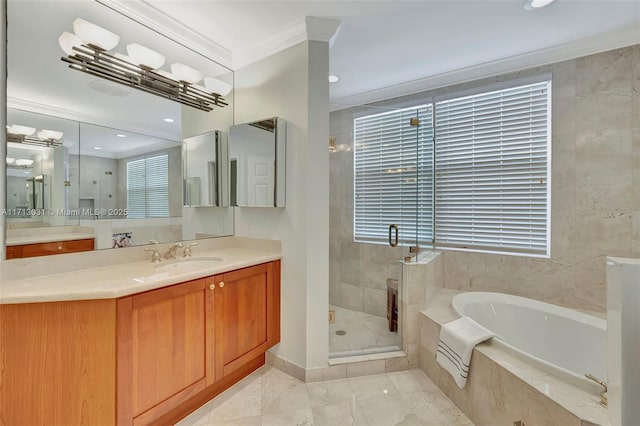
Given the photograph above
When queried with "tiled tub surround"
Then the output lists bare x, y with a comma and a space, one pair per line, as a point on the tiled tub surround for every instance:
503, 389
595, 201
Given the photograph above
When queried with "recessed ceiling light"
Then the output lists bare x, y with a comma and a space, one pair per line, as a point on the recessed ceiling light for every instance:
169, 120
333, 78
120, 135
536, 4
96, 147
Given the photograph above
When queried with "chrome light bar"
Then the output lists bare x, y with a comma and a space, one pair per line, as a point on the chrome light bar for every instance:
95, 61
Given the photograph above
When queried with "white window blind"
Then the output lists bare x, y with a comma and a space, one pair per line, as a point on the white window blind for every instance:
492, 170
393, 168
148, 187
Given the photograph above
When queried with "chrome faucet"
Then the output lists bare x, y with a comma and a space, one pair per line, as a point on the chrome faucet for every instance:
171, 254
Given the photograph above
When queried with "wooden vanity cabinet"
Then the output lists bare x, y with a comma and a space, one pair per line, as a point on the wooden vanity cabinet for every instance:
148, 358
246, 315
180, 341
163, 349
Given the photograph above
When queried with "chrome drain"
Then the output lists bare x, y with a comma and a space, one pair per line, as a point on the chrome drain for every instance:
341, 332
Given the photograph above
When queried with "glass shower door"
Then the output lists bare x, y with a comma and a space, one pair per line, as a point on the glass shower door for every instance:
374, 221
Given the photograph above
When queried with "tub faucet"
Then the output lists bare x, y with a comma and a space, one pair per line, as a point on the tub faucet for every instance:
604, 399
171, 254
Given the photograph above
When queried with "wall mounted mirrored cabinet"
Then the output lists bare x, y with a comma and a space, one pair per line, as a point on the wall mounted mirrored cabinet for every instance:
205, 163
257, 154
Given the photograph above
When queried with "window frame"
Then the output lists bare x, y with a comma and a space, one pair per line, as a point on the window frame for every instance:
482, 89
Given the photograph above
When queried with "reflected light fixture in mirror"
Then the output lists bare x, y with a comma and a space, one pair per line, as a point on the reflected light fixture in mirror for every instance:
23, 135
87, 52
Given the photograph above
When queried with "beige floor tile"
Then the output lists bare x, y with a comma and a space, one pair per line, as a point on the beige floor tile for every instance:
244, 402
367, 387
342, 414
411, 381
385, 410
330, 392
247, 421
290, 418
281, 395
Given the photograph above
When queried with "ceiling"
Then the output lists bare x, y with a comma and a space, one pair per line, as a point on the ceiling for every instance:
383, 44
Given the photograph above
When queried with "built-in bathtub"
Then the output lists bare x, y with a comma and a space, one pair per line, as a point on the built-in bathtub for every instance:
565, 343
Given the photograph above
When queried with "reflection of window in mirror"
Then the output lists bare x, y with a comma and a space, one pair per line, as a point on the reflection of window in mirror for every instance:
148, 187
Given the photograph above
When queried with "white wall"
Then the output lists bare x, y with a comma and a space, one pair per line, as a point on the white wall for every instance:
292, 84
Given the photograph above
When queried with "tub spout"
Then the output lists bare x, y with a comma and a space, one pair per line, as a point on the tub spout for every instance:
604, 399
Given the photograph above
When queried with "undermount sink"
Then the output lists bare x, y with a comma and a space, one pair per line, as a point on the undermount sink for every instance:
189, 264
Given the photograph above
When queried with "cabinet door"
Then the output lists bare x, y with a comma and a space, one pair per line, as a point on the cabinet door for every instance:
161, 358
243, 308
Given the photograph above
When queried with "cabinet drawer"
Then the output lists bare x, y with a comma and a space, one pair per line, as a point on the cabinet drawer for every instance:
57, 247
14, 252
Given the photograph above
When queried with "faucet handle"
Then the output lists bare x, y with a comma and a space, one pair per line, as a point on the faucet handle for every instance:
155, 256
187, 249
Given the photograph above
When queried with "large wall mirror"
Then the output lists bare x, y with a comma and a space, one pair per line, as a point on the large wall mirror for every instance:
90, 156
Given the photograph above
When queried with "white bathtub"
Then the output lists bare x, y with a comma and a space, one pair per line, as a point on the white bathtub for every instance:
563, 342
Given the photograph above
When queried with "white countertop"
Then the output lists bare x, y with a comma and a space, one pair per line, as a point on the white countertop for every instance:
128, 278
45, 238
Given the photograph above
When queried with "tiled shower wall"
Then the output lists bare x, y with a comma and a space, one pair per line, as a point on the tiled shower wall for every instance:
595, 194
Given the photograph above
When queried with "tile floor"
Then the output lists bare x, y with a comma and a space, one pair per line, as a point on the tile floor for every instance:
365, 334
269, 397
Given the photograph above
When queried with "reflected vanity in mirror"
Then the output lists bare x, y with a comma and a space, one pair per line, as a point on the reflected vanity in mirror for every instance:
257, 163
204, 159
95, 159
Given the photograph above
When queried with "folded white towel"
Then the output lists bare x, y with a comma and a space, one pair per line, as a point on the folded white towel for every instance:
457, 340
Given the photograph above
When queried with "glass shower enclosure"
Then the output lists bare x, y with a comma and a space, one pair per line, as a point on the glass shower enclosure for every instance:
379, 163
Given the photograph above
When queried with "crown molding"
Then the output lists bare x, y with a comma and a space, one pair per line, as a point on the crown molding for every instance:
149, 16
309, 28
69, 114
589, 46
321, 29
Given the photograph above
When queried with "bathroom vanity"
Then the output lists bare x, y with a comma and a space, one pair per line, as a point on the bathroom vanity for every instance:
149, 356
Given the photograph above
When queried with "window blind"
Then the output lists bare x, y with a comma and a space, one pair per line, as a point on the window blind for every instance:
393, 175
492, 170
148, 187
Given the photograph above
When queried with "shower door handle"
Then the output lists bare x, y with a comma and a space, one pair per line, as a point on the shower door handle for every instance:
393, 243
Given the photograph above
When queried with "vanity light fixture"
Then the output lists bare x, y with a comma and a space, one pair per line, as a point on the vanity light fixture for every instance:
16, 129
24, 162
24, 135
144, 56
536, 4
52, 135
87, 49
